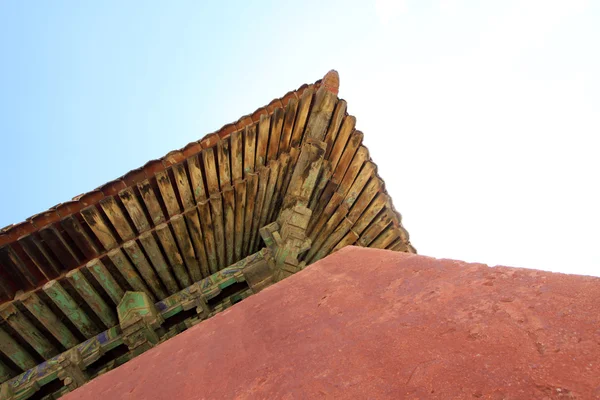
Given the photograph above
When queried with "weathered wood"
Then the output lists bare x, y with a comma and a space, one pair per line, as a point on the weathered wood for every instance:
275, 136
48, 319
288, 125
5, 373
80, 237
251, 194
138, 258
301, 117
183, 186
229, 220
306, 172
334, 126
277, 198
92, 298
158, 261
357, 175
120, 261
347, 156
320, 114
151, 202
333, 239
195, 169
30, 275
330, 188
106, 280
167, 193
294, 155
332, 223
264, 213
95, 221
399, 245
117, 219
169, 245
216, 207
201, 268
19, 322
374, 186
379, 223
210, 169
240, 207
380, 201
134, 209
386, 238
263, 182
237, 156
224, 168
39, 256
209, 235
13, 350
340, 141
262, 140
69, 307
59, 247
322, 181
350, 238
249, 149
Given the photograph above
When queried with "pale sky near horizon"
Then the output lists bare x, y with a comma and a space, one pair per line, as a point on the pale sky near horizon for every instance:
483, 116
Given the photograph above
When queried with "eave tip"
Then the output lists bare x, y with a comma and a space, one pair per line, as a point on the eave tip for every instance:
331, 81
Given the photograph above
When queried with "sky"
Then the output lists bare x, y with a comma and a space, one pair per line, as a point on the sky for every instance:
482, 116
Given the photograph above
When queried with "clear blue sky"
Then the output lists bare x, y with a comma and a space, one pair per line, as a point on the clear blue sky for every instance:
482, 116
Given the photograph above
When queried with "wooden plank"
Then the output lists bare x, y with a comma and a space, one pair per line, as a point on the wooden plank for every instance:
332, 240
158, 261
30, 277
19, 322
347, 156
240, 208
96, 222
320, 114
229, 220
330, 225
116, 218
80, 237
275, 136
183, 186
134, 209
201, 267
301, 117
357, 181
373, 187
43, 261
69, 307
294, 155
138, 258
209, 235
105, 280
48, 319
322, 181
59, 247
380, 201
195, 169
151, 202
121, 262
167, 193
249, 149
277, 199
340, 141
334, 126
262, 140
224, 168
13, 350
216, 207
92, 298
264, 213
386, 238
237, 156
210, 169
263, 182
251, 194
306, 172
377, 226
176, 261
328, 192
350, 238
288, 125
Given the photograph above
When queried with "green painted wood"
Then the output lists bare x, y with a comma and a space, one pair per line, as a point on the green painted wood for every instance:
138, 258
106, 280
5, 372
128, 272
48, 319
158, 261
19, 322
92, 298
13, 350
69, 307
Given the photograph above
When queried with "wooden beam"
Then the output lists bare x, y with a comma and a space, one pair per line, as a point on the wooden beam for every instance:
229, 220
301, 117
237, 156
249, 149
138, 258
134, 209
120, 261
320, 114
262, 141
158, 261
106, 280
78, 234
92, 298
167, 193
175, 257
209, 235
216, 207
240, 208
96, 222
288, 125
334, 126
183, 186
151, 202
224, 166
340, 141
13, 350
195, 169
275, 137
251, 195
116, 218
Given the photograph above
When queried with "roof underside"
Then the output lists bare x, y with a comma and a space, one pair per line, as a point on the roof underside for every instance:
184, 218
